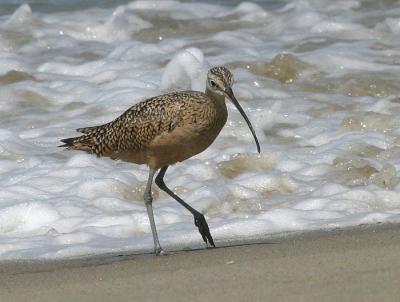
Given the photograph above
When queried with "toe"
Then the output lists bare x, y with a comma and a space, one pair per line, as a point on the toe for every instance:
204, 230
159, 251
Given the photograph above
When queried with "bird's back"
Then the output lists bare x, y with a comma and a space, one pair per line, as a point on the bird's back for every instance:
136, 130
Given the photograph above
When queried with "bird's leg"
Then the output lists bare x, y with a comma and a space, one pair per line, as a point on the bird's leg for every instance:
148, 199
199, 219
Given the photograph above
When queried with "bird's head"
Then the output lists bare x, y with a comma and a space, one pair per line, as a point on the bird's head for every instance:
220, 81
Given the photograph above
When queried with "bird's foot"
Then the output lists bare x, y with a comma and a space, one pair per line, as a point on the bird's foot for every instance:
159, 251
202, 225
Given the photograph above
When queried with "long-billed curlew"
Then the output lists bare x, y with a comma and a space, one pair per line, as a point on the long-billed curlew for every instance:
163, 130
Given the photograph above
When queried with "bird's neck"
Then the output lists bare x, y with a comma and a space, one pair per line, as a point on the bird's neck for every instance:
220, 106
216, 97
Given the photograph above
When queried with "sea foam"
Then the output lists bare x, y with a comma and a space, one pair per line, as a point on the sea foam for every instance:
318, 80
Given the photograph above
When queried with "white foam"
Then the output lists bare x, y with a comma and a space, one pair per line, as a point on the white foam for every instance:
26, 217
185, 71
22, 15
329, 137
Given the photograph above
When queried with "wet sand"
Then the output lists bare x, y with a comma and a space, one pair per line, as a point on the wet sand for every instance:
360, 264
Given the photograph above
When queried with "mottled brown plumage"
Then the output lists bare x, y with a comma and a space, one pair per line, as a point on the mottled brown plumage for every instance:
159, 131
163, 130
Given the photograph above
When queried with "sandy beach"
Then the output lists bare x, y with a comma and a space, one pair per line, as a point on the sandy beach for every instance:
319, 81
359, 264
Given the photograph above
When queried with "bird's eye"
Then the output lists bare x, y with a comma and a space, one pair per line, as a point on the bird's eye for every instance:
213, 84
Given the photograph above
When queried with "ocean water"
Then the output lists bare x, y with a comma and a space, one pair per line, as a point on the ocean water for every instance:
317, 78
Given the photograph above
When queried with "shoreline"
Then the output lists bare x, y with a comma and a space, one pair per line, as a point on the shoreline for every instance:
44, 264
360, 264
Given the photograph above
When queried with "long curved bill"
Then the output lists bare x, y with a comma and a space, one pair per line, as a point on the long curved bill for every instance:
229, 93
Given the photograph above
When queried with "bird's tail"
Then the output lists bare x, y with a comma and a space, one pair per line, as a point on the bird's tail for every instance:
82, 143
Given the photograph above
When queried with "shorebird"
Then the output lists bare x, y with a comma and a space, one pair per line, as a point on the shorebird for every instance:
162, 131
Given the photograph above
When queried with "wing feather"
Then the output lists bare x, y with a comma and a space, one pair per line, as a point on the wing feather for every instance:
137, 127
